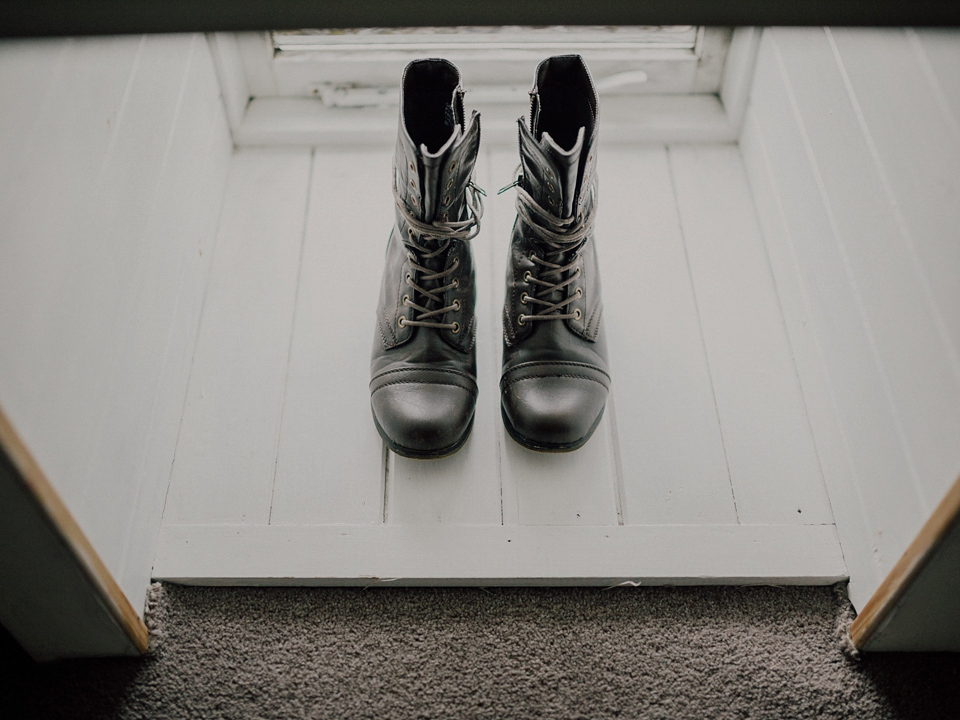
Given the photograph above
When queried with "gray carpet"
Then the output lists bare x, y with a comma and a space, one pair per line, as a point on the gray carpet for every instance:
763, 652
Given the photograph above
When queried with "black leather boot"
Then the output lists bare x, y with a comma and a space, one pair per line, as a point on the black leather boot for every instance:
423, 389
555, 379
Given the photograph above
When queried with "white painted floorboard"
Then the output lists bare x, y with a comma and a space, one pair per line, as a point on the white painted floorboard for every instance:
329, 463
280, 476
463, 488
671, 450
576, 488
226, 453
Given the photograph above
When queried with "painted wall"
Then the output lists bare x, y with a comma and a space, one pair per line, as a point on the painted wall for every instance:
113, 159
852, 146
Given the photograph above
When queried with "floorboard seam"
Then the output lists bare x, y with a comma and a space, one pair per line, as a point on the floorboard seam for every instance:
703, 342
293, 325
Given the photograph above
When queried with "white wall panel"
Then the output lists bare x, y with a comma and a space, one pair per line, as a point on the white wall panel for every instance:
113, 158
852, 151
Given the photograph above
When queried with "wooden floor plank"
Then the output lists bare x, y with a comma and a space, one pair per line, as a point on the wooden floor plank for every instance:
330, 459
673, 464
769, 445
439, 554
226, 454
577, 488
465, 487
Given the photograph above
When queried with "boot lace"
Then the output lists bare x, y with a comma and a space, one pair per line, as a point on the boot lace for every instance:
559, 266
426, 241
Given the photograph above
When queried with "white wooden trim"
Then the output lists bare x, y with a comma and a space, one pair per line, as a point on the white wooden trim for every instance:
234, 89
504, 58
738, 73
499, 555
543, 40
256, 54
653, 118
268, 119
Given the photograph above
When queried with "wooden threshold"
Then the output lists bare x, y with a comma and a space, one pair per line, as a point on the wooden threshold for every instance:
499, 555
911, 564
75, 585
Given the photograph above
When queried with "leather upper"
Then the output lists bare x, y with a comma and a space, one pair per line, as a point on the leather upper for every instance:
555, 377
423, 378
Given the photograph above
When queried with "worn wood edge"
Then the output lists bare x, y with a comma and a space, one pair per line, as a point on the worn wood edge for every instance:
64, 524
499, 555
908, 567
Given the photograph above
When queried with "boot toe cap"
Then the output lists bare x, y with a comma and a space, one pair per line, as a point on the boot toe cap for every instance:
553, 413
423, 419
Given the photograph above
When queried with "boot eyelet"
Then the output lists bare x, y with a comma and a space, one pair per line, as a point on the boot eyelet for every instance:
453, 166
446, 200
413, 184
455, 283
533, 256
520, 319
445, 217
456, 304
408, 278
456, 328
413, 167
550, 187
579, 270
456, 262
449, 184
402, 321
406, 301
579, 292
527, 276
577, 314
523, 298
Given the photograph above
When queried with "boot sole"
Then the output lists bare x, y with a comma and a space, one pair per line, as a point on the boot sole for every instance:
548, 447
424, 454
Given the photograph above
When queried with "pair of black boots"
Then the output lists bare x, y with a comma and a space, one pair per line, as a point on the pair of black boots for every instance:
555, 380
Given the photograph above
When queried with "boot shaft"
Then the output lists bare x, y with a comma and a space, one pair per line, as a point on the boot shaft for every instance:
437, 145
556, 152
554, 381
423, 368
